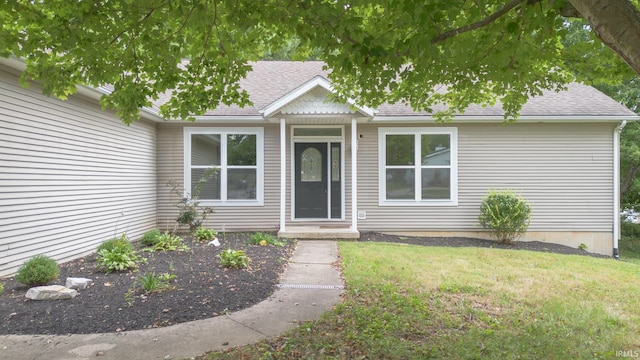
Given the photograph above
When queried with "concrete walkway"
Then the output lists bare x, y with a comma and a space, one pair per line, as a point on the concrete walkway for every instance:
310, 286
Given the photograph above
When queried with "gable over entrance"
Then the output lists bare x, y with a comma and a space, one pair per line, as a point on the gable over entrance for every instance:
315, 98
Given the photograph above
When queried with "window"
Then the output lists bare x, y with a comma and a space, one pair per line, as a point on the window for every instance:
418, 166
224, 165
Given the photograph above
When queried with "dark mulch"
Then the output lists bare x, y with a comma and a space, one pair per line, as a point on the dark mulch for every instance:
472, 242
203, 289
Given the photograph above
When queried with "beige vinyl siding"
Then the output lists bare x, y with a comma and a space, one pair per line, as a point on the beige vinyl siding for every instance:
229, 218
71, 176
564, 170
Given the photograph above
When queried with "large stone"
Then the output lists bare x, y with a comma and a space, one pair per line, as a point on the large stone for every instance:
78, 283
52, 292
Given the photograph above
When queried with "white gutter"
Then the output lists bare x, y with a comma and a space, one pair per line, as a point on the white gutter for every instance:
499, 118
616, 187
228, 118
14, 63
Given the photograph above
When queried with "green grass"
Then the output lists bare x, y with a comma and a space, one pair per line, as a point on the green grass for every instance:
411, 302
629, 247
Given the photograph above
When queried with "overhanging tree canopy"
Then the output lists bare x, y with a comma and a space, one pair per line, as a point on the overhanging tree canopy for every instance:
379, 51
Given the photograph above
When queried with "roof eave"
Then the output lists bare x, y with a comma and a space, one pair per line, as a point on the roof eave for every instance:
227, 118
499, 119
86, 91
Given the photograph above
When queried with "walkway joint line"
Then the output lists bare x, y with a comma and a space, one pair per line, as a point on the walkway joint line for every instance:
303, 286
247, 326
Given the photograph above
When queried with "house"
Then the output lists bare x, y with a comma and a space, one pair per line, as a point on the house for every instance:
296, 162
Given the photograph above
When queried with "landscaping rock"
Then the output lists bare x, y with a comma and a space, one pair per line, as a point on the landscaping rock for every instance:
78, 283
52, 292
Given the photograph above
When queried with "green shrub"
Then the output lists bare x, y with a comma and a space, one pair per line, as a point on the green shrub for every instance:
169, 242
121, 244
629, 245
117, 255
506, 214
265, 239
151, 282
39, 270
1, 289
630, 229
235, 259
150, 238
204, 234
190, 212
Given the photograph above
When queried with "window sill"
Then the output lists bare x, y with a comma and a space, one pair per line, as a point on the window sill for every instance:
230, 203
432, 203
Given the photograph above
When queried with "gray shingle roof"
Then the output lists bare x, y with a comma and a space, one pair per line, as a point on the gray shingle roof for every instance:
271, 80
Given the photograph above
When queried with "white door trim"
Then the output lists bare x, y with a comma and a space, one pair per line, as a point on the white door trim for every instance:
319, 139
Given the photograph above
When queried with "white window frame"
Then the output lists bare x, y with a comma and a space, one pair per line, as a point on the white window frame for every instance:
417, 132
223, 132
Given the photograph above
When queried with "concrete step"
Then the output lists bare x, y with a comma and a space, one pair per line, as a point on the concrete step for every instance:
318, 232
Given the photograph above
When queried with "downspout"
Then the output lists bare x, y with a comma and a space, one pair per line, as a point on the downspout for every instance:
616, 187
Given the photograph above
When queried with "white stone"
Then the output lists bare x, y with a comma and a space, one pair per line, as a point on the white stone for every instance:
53, 292
214, 242
78, 283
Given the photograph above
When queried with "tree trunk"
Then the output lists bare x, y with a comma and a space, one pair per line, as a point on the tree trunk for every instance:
628, 178
617, 24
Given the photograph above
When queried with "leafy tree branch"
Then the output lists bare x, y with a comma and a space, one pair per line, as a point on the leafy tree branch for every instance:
387, 51
478, 24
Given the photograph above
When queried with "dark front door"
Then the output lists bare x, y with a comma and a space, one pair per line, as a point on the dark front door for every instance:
311, 181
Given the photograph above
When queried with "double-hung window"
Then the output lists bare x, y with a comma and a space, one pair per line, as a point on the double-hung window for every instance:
224, 166
418, 166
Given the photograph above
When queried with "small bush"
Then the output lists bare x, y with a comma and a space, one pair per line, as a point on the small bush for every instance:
169, 242
235, 259
204, 234
630, 229
265, 239
151, 282
117, 255
190, 212
39, 270
629, 247
1, 289
121, 244
150, 238
506, 214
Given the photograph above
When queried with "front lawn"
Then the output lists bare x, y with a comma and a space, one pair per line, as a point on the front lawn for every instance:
413, 302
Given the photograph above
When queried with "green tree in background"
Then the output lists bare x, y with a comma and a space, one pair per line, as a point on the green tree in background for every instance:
625, 91
378, 51
628, 93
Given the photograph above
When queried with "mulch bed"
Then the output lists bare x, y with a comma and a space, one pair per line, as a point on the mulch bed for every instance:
203, 288
472, 242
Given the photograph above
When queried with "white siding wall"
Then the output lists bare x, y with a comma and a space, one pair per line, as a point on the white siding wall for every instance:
564, 170
71, 176
229, 218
